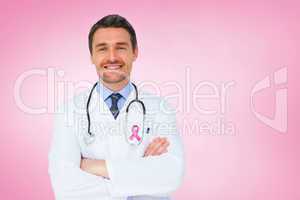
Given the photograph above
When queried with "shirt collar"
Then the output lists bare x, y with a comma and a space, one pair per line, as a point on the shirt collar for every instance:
106, 92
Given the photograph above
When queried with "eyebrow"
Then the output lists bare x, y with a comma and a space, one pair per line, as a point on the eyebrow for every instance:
123, 43
118, 43
100, 45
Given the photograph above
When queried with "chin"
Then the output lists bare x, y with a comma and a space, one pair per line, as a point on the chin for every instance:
113, 79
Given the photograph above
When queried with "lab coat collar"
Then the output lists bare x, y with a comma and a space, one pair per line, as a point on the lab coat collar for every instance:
106, 92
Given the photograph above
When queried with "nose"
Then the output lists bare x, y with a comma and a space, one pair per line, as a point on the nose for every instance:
112, 56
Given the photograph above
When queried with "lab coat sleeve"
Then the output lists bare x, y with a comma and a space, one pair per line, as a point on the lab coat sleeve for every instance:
67, 179
152, 175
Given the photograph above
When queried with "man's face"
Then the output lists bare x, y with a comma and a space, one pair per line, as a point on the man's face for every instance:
113, 54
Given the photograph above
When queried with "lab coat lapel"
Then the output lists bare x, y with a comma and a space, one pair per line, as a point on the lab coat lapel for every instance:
130, 97
100, 110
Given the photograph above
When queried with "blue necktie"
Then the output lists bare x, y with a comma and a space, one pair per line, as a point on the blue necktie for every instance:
115, 97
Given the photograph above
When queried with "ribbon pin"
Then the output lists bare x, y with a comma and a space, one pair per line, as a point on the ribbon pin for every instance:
135, 130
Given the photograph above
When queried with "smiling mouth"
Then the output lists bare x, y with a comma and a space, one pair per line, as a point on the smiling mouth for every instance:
112, 66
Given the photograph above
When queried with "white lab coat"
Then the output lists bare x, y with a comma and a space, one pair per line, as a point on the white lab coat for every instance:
132, 176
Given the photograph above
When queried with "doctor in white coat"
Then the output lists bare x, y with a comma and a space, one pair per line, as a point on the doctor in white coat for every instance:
96, 157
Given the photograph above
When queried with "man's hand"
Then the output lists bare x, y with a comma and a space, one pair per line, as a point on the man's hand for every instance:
157, 147
96, 167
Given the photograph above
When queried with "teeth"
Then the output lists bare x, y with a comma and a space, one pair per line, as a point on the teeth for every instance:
112, 66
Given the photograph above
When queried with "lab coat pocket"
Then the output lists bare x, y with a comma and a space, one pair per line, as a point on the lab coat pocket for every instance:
139, 150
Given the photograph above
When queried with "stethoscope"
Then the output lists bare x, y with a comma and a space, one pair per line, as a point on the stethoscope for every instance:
136, 130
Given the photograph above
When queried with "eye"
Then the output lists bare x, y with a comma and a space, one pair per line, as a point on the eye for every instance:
121, 48
102, 49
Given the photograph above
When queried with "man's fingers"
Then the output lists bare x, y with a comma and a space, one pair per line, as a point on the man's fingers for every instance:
152, 146
149, 147
157, 147
161, 149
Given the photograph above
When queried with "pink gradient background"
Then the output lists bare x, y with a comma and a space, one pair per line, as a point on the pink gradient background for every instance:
219, 41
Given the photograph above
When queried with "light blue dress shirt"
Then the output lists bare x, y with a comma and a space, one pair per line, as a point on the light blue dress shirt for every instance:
105, 94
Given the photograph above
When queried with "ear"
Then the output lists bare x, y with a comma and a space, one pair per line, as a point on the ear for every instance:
135, 53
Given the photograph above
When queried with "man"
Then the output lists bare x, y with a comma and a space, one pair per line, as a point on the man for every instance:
107, 167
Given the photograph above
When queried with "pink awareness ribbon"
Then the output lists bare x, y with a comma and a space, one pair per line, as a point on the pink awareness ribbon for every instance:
135, 130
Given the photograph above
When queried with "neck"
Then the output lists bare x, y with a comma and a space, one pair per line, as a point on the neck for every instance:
115, 86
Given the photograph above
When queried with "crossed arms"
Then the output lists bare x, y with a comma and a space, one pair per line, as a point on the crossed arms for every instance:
158, 172
98, 167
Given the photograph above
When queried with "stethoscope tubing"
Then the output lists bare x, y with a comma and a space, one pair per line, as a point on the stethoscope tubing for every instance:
127, 108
